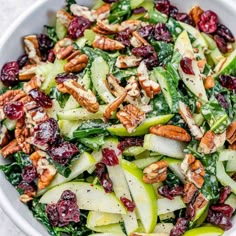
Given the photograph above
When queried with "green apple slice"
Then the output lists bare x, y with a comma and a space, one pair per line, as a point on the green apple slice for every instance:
78, 166
144, 162
89, 197
112, 228
227, 155
143, 196
205, 231
231, 200
163, 228
120, 130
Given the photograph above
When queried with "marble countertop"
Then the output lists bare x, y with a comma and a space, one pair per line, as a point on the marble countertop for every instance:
10, 10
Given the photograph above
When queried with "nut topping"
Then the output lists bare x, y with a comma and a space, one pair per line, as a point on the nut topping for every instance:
85, 98
10, 148
78, 10
76, 64
64, 17
130, 117
132, 25
231, 133
102, 12
34, 83
140, 39
31, 46
189, 191
132, 87
195, 13
4, 136
172, 132
156, 172
104, 26
63, 48
232, 146
27, 72
124, 61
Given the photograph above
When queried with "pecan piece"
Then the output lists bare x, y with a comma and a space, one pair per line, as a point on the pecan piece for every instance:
132, 25
31, 46
156, 172
188, 118
85, 98
195, 13
4, 136
190, 191
132, 87
27, 72
78, 10
193, 170
211, 142
102, 12
171, 132
64, 17
105, 43
140, 39
76, 64
125, 61
232, 146
63, 48
10, 148
130, 117
104, 25
34, 83
199, 202
231, 133
114, 105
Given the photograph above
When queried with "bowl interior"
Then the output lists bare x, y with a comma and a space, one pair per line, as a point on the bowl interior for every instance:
11, 47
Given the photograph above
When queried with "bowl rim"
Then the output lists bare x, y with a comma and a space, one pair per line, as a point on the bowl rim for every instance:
5, 204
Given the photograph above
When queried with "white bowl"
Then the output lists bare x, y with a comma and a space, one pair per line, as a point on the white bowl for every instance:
32, 21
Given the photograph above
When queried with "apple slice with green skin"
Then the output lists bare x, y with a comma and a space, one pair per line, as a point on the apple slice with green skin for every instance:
143, 195
78, 166
89, 197
231, 200
120, 130
163, 228
112, 228
205, 231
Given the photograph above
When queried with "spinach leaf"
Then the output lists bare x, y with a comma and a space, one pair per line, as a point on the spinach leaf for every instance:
93, 142
68, 4
174, 27
51, 32
159, 105
155, 17
172, 180
62, 98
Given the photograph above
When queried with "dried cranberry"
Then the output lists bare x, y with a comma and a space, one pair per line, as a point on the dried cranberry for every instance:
45, 43
179, 228
163, 6
10, 74
124, 37
233, 177
176, 191
190, 212
46, 132
109, 157
139, 10
52, 214
225, 209
151, 62
77, 27
173, 11
130, 142
183, 17
161, 33
27, 188
129, 205
68, 195
219, 219
146, 31
23, 60
145, 51
186, 66
41, 98
222, 100
224, 193
228, 81
208, 22
51, 56
103, 177
221, 43
29, 173
225, 33
60, 78
14, 110
110, 1
170, 193
63, 152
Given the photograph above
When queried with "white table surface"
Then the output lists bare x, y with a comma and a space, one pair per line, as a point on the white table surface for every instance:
10, 9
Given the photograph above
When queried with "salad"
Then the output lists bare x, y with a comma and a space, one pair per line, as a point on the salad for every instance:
121, 120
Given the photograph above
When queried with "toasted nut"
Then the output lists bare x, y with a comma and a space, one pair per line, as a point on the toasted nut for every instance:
132, 87
156, 172
34, 83
98, 30
4, 136
232, 146
10, 148
26, 197
193, 170
231, 133
188, 118
209, 82
190, 191
140, 38
200, 202
35, 156
85, 98
27, 72
114, 105
124, 61
130, 117
36, 116
73, 55
195, 13
76, 64
132, 25
211, 142
105, 43
64, 17
11, 96
78, 10
109, 28
172, 132
135, 42
102, 12
62, 88
31, 46
63, 48
150, 87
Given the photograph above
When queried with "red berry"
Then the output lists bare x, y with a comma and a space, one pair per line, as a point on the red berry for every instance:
14, 110
208, 22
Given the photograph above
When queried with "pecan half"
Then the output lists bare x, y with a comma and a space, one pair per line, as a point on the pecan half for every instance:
193, 170
78, 10
140, 39
156, 172
114, 105
172, 132
104, 26
189, 191
102, 12
34, 83
105, 43
132, 87
63, 48
211, 142
130, 117
10, 148
195, 13
232, 146
64, 17
231, 133
125, 61
27, 72
200, 202
31, 46
150, 87
85, 98
188, 118
132, 25
76, 64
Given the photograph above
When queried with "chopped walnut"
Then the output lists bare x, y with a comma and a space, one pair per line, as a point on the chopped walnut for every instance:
130, 117
193, 170
231, 133
171, 132
63, 48
31, 46
27, 72
132, 87
85, 98
189, 192
64, 17
156, 172
210, 142
10, 148
150, 87
76, 64
188, 118
124, 61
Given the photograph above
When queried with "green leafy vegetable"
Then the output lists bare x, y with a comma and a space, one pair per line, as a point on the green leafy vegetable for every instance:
62, 98
93, 142
172, 180
51, 31
68, 4
174, 27
155, 17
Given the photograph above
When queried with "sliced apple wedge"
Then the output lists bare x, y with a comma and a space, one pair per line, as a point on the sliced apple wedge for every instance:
205, 231
143, 195
89, 197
